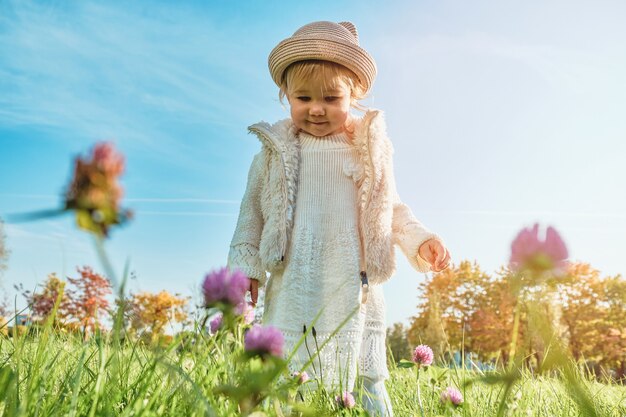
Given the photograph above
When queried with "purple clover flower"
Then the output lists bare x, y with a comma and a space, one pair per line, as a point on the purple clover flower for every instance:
216, 323
301, 377
451, 395
423, 355
346, 400
264, 340
225, 286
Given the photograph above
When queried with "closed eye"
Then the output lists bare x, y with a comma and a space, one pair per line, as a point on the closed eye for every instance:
330, 99
304, 98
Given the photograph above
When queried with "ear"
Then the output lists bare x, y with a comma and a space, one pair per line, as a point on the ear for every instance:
350, 26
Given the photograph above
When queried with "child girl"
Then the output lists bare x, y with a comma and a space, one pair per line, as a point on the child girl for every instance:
321, 214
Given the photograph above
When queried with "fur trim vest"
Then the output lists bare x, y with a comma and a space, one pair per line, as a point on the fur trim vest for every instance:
267, 210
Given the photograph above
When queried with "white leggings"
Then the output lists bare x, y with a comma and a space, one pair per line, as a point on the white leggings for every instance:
375, 398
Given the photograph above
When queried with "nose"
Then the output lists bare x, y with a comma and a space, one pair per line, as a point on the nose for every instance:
316, 109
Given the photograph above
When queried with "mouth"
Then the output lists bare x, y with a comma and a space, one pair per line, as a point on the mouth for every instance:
318, 123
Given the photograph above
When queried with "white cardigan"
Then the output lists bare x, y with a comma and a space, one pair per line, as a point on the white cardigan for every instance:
266, 213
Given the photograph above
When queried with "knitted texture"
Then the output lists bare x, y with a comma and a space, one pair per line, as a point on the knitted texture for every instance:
320, 284
308, 204
266, 214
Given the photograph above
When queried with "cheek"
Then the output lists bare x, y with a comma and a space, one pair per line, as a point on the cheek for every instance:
293, 109
345, 103
342, 116
297, 107
296, 116
342, 112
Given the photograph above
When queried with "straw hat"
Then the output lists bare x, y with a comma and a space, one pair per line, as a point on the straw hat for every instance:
326, 41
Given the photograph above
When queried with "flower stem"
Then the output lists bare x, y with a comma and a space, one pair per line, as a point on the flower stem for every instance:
419, 394
512, 350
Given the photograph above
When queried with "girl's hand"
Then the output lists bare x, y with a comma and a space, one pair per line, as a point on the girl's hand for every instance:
254, 291
433, 252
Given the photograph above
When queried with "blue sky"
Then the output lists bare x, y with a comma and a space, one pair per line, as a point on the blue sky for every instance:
502, 114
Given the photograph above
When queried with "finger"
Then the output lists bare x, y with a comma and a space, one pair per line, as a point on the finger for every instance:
426, 253
446, 261
439, 263
434, 249
441, 254
254, 292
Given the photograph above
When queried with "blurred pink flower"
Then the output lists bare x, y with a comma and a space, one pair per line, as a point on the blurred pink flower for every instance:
107, 159
423, 355
264, 340
346, 399
451, 395
94, 192
301, 377
216, 323
528, 251
225, 286
246, 311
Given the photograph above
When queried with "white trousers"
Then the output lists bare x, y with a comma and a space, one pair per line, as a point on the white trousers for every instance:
375, 398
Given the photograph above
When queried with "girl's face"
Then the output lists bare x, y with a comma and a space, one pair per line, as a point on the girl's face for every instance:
320, 107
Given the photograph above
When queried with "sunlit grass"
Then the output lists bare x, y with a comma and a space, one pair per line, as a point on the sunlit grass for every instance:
51, 373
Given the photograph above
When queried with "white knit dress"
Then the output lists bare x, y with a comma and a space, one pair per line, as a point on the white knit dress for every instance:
320, 285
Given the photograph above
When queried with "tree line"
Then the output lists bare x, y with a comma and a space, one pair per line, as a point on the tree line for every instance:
82, 304
465, 309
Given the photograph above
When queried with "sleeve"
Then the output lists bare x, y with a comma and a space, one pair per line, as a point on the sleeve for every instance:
244, 247
408, 232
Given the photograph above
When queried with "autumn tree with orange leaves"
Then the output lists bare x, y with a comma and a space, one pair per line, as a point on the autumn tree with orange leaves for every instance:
595, 315
151, 313
448, 301
87, 302
42, 302
465, 308
491, 323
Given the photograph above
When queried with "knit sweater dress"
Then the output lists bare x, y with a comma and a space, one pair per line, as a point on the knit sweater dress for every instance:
320, 287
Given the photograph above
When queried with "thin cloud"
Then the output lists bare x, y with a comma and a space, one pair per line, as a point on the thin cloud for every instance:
185, 213
30, 196
131, 200
182, 200
119, 73
49, 231
601, 215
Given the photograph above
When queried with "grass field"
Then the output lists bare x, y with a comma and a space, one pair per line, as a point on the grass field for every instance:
55, 374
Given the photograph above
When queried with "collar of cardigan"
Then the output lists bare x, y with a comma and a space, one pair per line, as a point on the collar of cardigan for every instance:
283, 134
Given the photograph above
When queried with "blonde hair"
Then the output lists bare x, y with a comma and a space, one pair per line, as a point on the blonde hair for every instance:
298, 72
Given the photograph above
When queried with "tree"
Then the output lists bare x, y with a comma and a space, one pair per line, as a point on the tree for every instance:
448, 301
595, 315
475, 312
151, 312
614, 338
583, 313
428, 329
398, 343
42, 303
491, 324
87, 302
